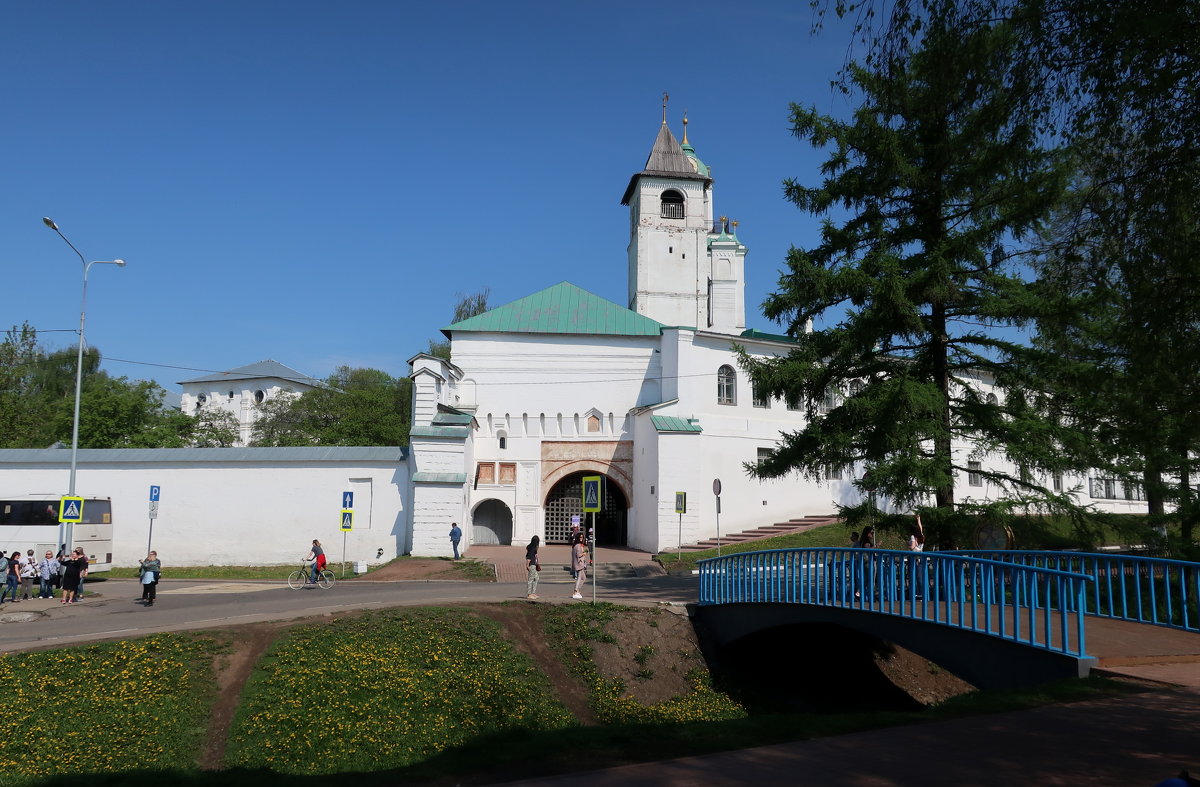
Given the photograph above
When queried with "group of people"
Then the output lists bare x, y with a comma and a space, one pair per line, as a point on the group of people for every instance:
916, 537
580, 560
66, 570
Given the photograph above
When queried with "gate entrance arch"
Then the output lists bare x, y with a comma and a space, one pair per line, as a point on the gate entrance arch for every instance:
566, 500
491, 523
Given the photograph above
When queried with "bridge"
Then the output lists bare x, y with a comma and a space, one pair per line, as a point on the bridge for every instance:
997, 619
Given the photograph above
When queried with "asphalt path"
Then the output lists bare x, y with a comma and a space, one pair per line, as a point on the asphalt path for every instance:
115, 611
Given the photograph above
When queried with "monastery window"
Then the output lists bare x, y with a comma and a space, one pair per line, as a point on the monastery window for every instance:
1104, 488
793, 401
763, 455
761, 399
485, 473
831, 400
259, 396
833, 473
1057, 482
502, 439
856, 387
991, 399
726, 385
672, 204
974, 476
508, 473
231, 395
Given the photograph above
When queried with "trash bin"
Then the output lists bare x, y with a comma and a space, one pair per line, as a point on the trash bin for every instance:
360, 567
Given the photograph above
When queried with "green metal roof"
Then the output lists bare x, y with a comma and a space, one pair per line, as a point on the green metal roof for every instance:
670, 423
563, 308
452, 419
774, 337
439, 431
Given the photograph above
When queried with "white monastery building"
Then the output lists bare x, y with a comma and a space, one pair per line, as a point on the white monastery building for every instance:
538, 394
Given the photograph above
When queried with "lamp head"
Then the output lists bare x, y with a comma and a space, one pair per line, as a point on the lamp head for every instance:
49, 223
119, 263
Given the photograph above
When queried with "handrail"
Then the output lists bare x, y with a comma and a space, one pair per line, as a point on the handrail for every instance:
1153, 590
1032, 605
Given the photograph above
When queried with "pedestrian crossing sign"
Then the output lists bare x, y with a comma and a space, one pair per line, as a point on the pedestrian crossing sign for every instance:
70, 509
347, 520
591, 493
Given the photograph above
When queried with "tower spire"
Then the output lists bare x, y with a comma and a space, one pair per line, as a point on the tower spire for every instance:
685, 141
666, 98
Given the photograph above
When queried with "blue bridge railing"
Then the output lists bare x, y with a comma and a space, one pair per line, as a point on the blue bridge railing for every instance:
1037, 605
1156, 591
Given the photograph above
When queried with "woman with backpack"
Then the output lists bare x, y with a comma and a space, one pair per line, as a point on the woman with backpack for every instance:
151, 570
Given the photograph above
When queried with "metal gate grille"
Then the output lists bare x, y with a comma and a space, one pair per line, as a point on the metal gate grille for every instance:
566, 500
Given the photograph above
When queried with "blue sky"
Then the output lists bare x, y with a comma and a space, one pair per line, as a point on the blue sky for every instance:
316, 182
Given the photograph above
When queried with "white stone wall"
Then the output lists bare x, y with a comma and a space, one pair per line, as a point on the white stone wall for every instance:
236, 510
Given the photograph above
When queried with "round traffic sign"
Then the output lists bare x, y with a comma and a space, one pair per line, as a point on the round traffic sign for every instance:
716, 486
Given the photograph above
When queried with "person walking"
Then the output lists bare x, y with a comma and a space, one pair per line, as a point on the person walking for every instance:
868, 538
455, 537
28, 572
150, 570
48, 569
533, 564
579, 563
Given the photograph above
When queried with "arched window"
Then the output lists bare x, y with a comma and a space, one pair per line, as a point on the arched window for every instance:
672, 204
726, 385
991, 399
502, 438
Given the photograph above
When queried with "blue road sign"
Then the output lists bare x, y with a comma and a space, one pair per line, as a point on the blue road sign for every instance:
347, 500
347, 520
154, 493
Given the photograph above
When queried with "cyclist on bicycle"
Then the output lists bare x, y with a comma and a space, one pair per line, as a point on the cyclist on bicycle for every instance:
316, 556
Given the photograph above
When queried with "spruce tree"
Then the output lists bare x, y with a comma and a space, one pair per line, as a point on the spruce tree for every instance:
926, 190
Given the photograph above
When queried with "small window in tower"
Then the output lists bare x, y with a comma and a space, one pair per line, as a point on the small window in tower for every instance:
672, 204
259, 396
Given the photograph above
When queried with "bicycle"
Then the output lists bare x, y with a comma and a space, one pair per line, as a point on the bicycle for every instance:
303, 576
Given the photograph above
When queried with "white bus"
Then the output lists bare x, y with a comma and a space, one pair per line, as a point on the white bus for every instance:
32, 523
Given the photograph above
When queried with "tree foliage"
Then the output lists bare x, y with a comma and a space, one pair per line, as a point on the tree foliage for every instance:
467, 306
936, 175
37, 399
355, 407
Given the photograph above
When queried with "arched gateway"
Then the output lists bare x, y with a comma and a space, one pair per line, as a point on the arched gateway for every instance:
566, 500
491, 523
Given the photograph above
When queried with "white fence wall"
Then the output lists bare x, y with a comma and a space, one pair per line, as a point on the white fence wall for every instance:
247, 506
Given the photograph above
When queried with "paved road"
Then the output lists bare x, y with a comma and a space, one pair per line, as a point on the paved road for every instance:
185, 604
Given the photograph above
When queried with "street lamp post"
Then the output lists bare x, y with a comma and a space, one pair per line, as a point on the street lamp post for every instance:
78, 368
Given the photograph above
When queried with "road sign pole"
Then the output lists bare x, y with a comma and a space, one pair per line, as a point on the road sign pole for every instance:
592, 549
150, 538
343, 554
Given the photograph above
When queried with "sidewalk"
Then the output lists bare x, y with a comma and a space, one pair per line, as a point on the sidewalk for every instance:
510, 560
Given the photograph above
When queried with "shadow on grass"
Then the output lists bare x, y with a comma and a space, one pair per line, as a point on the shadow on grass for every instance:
525, 754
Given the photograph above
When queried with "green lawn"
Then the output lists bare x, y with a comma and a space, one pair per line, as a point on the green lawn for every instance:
107, 708
385, 690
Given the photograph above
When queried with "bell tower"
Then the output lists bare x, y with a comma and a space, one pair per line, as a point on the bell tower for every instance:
672, 277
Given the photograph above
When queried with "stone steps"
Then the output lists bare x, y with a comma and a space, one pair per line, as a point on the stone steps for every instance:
766, 531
